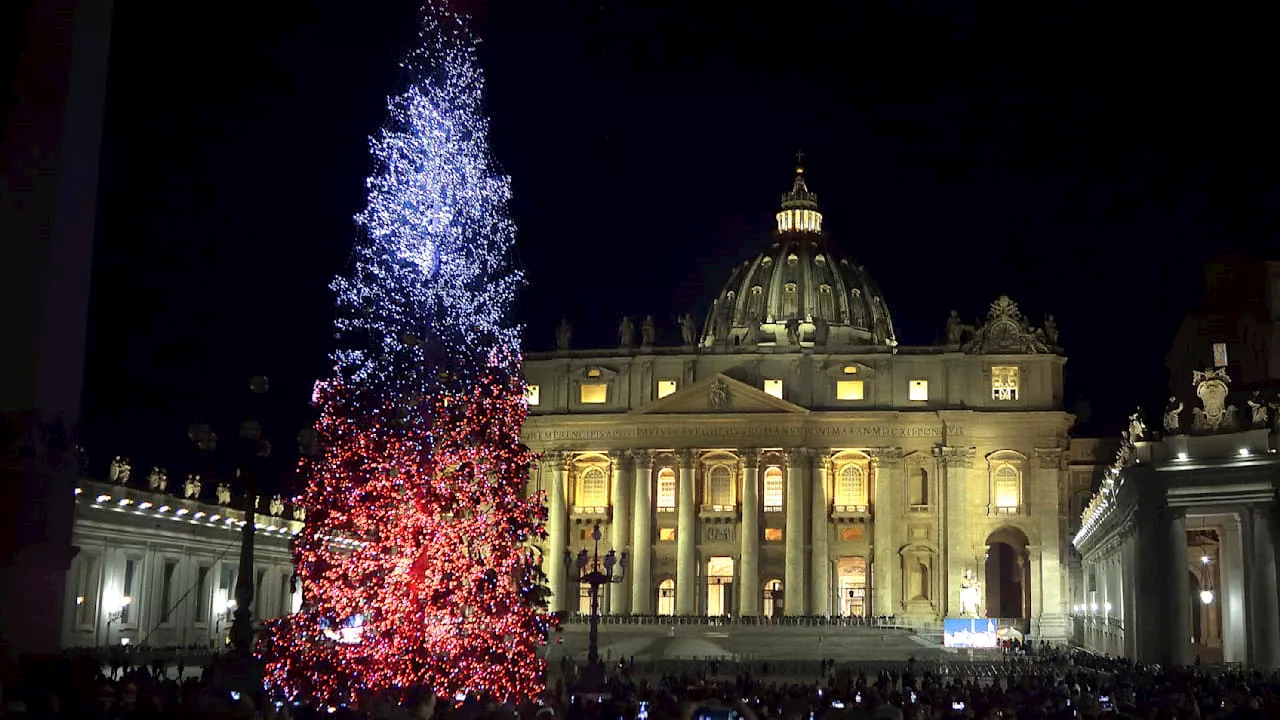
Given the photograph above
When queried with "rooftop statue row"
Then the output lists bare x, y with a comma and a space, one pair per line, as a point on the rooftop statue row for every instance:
121, 470
627, 332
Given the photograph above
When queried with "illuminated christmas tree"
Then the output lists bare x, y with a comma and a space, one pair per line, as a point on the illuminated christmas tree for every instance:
415, 561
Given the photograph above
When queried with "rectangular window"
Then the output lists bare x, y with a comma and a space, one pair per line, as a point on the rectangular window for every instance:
773, 387
203, 594
773, 534
130, 577
848, 389
533, 394
666, 490
667, 534
665, 388
1004, 383
87, 591
918, 390
593, 393
166, 589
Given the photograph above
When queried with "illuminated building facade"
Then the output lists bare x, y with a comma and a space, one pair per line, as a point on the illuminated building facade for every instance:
791, 457
159, 569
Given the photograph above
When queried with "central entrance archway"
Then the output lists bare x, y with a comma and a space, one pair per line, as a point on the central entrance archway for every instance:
1007, 575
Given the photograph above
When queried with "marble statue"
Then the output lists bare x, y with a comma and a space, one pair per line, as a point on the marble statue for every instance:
1257, 411
191, 488
1137, 428
1173, 417
113, 472
718, 394
564, 334
123, 470
224, 493
1051, 331
970, 592
688, 330
299, 513
626, 332
955, 329
1212, 389
648, 331
277, 505
157, 479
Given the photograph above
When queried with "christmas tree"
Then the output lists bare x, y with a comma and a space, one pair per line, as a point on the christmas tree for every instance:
415, 560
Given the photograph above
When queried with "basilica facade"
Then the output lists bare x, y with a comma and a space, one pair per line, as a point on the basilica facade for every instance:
791, 457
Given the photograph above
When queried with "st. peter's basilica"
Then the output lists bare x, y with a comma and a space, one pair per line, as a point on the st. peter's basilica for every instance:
791, 457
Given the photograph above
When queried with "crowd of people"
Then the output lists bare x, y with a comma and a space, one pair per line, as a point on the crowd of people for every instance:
1037, 683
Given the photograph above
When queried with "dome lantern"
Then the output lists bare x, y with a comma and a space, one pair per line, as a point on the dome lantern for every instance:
799, 211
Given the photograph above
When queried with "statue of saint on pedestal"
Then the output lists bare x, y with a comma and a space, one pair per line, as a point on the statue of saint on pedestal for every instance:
970, 591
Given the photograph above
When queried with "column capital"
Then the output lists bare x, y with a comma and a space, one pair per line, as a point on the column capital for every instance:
750, 457
886, 455
619, 456
685, 457
557, 459
952, 456
797, 456
643, 458
1050, 458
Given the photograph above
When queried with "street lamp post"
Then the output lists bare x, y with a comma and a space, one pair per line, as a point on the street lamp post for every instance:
596, 572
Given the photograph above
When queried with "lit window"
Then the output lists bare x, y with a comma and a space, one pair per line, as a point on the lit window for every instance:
593, 372
532, 394
593, 488
1006, 487
665, 388
593, 393
667, 534
721, 486
850, 369
848, 389
667, 597
773, 387
918, 390
851, 487
773, 489
666, 489
773, 534
1004, 383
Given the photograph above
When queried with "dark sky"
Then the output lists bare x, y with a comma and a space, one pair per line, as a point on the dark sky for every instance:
1086, 164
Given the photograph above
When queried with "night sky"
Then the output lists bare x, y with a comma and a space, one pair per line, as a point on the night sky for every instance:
1085, 164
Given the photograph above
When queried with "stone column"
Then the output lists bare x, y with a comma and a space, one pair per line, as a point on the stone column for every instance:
642, 590
886, 474
955, 531
620, 530
1265, 626
749, 588
1036, 587
557, 530
819, 559
1179, 629
1047, 595
793, 590
686, 540
1230, 592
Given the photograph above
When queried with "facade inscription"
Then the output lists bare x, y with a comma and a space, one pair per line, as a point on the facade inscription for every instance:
798, 432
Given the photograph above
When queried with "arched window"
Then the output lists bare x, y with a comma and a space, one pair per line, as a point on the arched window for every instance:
772, 605
666, 489
773, 489
755, 305
667, 597
790, 301
851, 487
1007, 482
826, 303
593, 488
720, 484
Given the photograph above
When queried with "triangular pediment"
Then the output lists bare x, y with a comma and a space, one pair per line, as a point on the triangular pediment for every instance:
719, 394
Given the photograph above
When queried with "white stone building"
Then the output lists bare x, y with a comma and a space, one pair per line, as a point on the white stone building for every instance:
791, 456
160, 569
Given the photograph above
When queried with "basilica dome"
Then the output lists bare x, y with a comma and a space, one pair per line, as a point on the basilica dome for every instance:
799, 292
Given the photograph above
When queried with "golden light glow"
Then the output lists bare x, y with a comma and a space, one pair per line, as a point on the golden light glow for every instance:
773, 386
773, 489
593, 393
850, 369
848, 389
666, 534
665, 388
593, 373
851, 487
1007, 482
799, 221
773, 534
918, 390
532, 394
666, 489
850, 534
1004, 383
